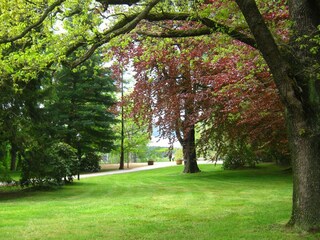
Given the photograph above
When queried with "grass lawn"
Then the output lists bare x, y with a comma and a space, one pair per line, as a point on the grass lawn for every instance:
157, 204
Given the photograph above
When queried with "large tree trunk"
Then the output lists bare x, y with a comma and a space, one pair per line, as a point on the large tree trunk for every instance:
305, 155
189, 153
296, 80
304, 128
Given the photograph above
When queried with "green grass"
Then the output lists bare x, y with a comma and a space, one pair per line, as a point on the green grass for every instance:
157, 204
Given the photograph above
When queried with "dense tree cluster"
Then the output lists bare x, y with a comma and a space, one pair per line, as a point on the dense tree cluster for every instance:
59, 121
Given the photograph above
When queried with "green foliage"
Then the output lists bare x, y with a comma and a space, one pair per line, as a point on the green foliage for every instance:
239, 156
78, 106
156, 153
178, 154
90, 163
62, 161
4, 175
49, 165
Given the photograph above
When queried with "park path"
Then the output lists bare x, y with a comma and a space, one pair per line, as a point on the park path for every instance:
143, 168
137, 169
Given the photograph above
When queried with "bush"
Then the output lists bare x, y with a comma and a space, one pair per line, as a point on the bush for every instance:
63, 162
239, 157
90, 163
52, 165
4, 176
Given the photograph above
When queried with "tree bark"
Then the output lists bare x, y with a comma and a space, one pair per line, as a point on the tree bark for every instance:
189, 152
305, 155
304, 128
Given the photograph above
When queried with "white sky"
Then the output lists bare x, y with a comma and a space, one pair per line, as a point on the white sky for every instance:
156, 142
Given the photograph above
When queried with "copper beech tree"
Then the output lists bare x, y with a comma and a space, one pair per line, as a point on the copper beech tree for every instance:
178, 86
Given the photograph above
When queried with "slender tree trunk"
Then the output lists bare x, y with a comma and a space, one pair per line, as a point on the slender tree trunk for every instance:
18, 165
121, 165
79, 155
13, 155
189, 153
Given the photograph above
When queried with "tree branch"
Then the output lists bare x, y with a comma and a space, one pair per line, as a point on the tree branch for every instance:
122, 27
212, 27
287, 86
118, 2
179, 135
178, 33
36, 24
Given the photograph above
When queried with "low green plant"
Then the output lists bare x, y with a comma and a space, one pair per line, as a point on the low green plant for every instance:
239, 156
178, 154
52, 165
4, 175
90, 163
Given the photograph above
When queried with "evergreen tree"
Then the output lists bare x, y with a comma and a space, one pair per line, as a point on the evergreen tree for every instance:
79, 107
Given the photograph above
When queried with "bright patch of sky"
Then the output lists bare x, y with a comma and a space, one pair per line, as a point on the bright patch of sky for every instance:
157, 142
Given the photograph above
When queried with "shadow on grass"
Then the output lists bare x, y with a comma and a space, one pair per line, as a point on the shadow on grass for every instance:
14, 192
17, 192
267, 172
171, 178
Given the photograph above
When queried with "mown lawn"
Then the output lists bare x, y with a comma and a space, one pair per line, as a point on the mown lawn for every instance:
157, 204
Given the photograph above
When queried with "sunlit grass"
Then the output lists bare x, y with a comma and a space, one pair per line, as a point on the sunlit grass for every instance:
157, 204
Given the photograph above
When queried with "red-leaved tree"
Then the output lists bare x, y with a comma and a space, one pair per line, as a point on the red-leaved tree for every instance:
179, 84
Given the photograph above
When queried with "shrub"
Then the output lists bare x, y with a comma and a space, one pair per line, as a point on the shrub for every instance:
52, 165
63, 162
90, 163
4, 176
239, 157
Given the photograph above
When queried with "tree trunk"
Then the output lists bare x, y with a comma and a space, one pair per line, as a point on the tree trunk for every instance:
305, 155
189, 152
304, 128
296, 80
13, 155
121, 163
79, 155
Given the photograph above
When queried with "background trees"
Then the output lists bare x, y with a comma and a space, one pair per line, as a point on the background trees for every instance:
70, 107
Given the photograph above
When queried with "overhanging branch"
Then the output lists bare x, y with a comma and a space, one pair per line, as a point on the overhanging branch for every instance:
118, 2
211, 27
122, 27
36, 24
178, 33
